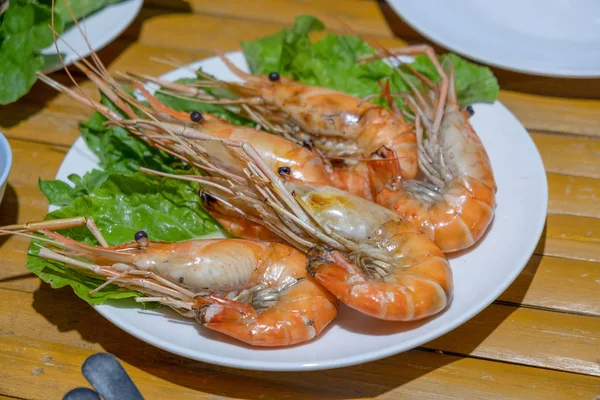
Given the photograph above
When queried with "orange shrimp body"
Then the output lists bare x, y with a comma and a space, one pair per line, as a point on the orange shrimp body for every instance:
457, 207
277, 152
340, 126
413, 283
305, 161
336, 123
363, 253
257, 292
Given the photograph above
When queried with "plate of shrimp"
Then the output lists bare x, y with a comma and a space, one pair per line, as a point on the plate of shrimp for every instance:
422, 226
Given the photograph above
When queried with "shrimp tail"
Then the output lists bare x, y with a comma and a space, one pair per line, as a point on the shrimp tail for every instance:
384, 171
288, 322
404, 297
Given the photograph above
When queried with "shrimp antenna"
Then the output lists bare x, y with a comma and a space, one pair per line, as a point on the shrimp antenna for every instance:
55, 36
410, 50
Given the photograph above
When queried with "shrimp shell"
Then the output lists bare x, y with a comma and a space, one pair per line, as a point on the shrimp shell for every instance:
256, 292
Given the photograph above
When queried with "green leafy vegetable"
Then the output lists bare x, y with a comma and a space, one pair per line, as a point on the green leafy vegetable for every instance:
60, 193
119, 151
23, 33
167, 209
331, 62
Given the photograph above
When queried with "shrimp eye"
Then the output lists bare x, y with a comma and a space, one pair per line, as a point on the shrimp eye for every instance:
196, 116
470, 110
274, 76
284, 171
141, 237
308, 144
207, 198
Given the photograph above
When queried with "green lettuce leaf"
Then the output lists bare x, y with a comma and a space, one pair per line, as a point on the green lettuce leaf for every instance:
119, 151
23, 33
276, 52
60, 193
167, 209
331, 62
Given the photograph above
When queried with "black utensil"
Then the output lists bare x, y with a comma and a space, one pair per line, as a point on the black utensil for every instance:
81, 394
109, 378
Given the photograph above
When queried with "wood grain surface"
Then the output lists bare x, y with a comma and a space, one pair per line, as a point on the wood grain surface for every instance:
539, 340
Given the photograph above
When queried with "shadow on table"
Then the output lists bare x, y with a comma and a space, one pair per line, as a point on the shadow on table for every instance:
366, 380
9, 209
508, 80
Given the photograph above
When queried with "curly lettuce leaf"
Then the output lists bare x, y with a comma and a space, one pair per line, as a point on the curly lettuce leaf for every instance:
276, 52
331, 62
119, 151
167, 209
23, 33
60, 193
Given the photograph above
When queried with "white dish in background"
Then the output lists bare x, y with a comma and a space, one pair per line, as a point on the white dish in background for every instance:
5, 164
481, 274
101, 28
545, 37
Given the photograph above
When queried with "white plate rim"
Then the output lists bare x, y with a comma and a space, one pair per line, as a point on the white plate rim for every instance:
133, 6
108, 312
429, 31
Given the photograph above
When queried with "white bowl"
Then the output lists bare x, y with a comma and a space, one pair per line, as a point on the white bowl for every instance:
5, 164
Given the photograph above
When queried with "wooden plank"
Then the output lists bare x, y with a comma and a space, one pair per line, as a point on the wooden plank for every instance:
39, 334
554, 114
528, 336
558, 284
216, 33
574, 195
504, 333
569, 155
23, 202
362, 16
571, 237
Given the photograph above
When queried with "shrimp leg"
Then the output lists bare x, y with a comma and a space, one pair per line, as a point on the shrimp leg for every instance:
62, 223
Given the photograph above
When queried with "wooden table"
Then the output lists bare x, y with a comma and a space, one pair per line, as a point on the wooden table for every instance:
539, 340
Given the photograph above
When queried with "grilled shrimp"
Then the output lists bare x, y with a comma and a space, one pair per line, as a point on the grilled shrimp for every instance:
397, 272
363, 177
256, 292
341, 126
282, 155
364, 254
456, 206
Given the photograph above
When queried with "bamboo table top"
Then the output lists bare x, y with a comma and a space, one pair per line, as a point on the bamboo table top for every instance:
539, 340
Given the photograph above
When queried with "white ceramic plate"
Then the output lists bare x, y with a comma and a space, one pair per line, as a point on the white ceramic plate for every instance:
481, 274
545, 37
100, 28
